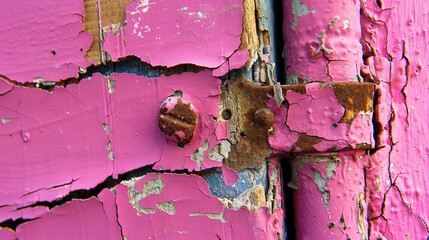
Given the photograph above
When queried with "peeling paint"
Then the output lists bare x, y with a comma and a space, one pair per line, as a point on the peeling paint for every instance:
198, 156
215, 216
150, 32
167, 207
194, 206
252, 199
329, 187
61, 222
220, 151
298, 10
340, 52
393, 41
60, 48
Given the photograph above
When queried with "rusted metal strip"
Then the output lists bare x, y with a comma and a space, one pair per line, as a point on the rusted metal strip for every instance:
316, 117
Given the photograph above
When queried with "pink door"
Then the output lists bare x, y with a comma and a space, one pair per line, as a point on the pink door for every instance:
163, 119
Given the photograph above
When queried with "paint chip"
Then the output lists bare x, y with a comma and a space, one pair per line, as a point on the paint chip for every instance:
7, 120
220, 151
218, 216
167, 207
299, 9
198, 155
334, 20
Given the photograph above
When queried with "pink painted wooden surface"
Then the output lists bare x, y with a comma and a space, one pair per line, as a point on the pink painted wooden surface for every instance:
154, 204
397, 178
168, 33
393, 39
322, 39
42, 40
76, 137
56, 144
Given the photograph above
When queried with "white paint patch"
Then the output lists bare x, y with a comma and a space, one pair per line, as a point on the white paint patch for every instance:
154, 186
142, 7
220, 151
167, 207
346, 24
198, 155
218, 216
7, 120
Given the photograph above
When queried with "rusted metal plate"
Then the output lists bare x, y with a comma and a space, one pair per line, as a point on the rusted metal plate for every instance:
317, 117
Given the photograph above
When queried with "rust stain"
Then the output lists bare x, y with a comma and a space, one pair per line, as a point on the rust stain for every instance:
307, 142
243, 105
241, 99
355, 97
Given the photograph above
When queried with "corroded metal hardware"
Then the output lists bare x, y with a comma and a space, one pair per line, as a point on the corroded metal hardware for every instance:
177, 119
317, 117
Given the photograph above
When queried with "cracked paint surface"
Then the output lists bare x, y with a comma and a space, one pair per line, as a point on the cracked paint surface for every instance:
194, 206
53, 49
46, 137
179, 212
75, 220
47, 150
317, 47
169, 33
332, 186
394, 41
67, 151
324, 45
314, 119
392, 37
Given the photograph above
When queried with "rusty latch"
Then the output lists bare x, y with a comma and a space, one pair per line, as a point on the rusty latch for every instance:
317, 117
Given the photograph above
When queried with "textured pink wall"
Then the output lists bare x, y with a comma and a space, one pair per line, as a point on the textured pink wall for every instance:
396, 40
327, 40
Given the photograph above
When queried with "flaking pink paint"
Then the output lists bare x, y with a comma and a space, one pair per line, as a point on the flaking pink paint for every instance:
42, 40
283, 138
317, 112
169, 33
7, 234
302, 42
136, 138
75, 137
229, 176
195, 209
111, 215
337, 58
78, 219
53, 143
329, 210
398, 177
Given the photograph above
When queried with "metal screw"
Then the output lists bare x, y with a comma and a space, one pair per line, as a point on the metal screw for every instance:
177, 119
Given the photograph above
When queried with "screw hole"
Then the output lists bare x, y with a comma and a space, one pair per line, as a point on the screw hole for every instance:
334, 125
53, 53
181, 145
226, 114
81, 49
